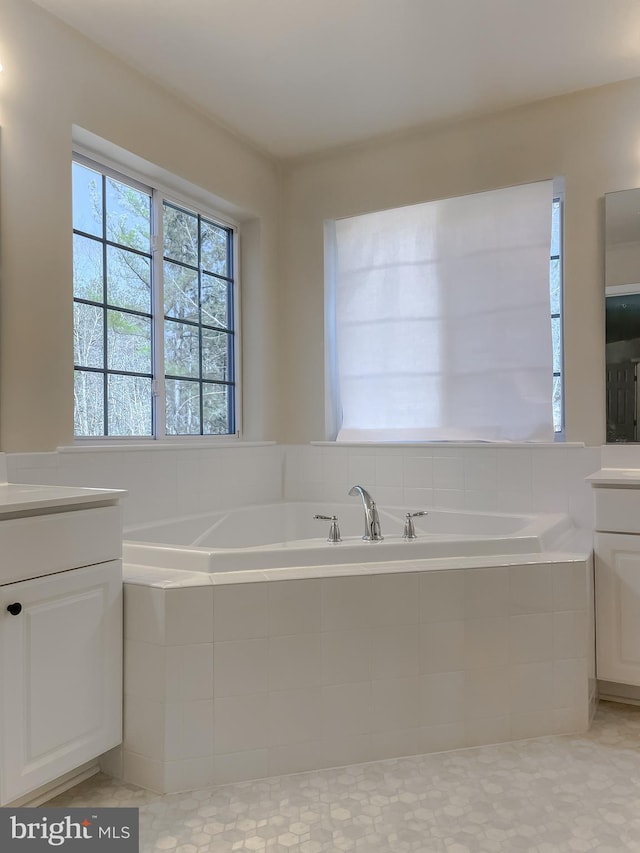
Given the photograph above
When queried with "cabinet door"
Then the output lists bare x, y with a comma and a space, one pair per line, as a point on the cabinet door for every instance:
61, 674
618, 607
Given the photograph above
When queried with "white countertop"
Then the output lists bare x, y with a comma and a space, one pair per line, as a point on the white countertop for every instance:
23, 499
629, 477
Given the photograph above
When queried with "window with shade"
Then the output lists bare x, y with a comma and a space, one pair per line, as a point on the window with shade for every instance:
444, 320
155, 336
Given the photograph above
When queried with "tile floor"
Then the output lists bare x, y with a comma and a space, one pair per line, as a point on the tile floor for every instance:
548, 795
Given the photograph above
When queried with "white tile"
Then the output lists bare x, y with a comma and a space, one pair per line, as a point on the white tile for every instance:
448, 473
189, 672
443, 737
189, 616
395, 599
240, 723
398, 742
143, 613
569, 586
241, 611
389, 496
174, 730
336, 467
570, 684
570, 634
486, 692
295, 661
143, 727
441, 596
531, 589
144, 670
486, 592
347, 749
515, 501
418, 498
488, 730
532, 724
388, 471
295, 758
240, 765
187, 774
442, 646
346, 656
138, 770
531, 686
531, 637
550, 475
346, 709
486, 642
442, 698
197, 733
346, 603
514, 469
362, 471
395, 651
481, 501
418, 472
448, 499
294, 715
567, 720
294, 607
480, 469
395, 704
240, 667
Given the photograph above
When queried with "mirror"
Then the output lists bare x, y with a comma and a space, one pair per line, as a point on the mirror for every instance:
622, 313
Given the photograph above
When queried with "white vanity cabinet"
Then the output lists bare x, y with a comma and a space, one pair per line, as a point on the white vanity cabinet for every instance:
617, 575
60, 640
617, 564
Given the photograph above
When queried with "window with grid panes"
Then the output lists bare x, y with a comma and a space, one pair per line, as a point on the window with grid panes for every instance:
154, 328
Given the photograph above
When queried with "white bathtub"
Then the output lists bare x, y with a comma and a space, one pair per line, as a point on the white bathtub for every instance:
283, 535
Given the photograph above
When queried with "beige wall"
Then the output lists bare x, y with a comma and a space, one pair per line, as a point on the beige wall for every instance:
54, 79
591, 138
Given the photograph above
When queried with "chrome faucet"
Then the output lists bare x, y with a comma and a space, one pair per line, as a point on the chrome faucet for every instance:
372, 532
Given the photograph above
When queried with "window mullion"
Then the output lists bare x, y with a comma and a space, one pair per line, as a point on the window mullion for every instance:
159, 396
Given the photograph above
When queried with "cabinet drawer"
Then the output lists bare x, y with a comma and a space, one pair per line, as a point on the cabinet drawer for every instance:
41, 545
617, 510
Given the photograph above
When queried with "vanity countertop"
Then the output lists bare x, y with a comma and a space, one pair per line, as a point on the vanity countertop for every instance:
620, 477
24, 499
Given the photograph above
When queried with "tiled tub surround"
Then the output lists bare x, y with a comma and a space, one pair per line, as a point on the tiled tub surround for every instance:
477, 477
162, 480
169, 480
235, 676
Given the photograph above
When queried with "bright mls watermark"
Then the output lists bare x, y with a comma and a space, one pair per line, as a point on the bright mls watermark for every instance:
33, 830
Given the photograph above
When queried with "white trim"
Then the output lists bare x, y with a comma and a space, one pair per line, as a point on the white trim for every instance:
136, 168
622, 290
194, 443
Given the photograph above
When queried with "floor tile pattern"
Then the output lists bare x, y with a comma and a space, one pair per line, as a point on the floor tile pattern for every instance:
548, 795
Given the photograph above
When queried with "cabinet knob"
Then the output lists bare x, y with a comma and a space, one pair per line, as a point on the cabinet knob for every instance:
15, 609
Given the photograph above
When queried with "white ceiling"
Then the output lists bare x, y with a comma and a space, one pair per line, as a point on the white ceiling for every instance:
299, 76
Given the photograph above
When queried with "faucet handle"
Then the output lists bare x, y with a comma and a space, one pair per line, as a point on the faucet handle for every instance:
409, 530
334, 530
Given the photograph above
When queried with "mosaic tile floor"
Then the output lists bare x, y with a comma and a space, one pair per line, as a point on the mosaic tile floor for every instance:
549, 795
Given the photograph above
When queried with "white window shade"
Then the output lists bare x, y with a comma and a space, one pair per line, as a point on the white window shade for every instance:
440, 320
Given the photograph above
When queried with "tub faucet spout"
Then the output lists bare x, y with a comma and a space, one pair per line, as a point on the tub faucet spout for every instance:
372, 531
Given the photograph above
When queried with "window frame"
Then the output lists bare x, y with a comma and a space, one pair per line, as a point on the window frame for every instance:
159, 193
558, 196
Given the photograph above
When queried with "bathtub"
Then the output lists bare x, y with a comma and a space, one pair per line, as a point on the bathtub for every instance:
283, 535
282, 652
